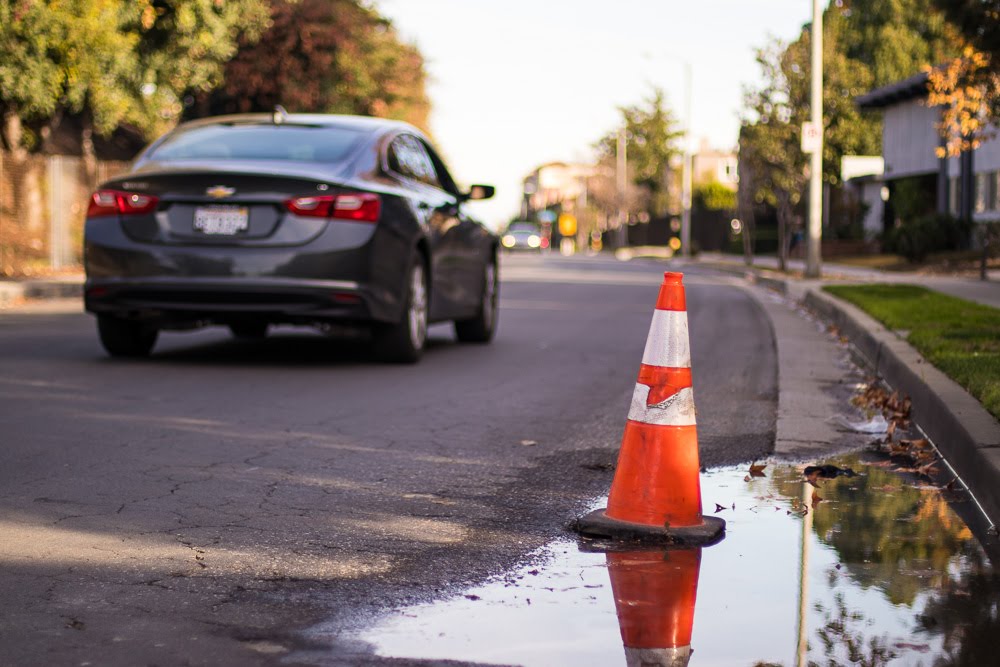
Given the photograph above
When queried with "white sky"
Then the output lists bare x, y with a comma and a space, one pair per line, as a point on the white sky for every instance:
518, 83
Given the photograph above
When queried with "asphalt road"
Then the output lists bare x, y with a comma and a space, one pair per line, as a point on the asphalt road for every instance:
206, 505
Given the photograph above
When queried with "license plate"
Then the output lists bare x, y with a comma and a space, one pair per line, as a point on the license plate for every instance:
221, 220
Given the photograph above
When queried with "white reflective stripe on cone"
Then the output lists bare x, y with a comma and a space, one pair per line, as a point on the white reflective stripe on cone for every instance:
657, 657
677, 410
667, 344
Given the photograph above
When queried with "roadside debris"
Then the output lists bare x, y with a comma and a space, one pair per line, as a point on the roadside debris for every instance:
529, 443
875, 425
827, 471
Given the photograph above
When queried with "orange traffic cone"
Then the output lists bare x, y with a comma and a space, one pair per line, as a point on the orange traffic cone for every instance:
655, 594
656, 493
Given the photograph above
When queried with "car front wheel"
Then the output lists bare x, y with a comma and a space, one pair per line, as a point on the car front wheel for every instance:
125, 338
404, 341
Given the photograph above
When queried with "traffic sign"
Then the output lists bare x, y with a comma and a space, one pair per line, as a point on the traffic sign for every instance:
567, 224
812, 137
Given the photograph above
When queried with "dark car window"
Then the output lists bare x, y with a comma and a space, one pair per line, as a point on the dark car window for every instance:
299, 143
408, 157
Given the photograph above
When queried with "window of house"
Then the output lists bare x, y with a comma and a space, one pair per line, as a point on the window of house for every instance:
982, 192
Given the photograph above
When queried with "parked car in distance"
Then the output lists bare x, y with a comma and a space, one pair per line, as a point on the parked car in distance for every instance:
522, 235
254, 220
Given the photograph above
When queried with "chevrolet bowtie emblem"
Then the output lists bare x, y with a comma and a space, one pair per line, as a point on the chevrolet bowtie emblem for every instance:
220, 191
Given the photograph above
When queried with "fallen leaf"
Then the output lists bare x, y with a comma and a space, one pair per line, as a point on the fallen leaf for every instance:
928, 470
718, 508
816, 499
473, 597
900, 449
757, 470
747, 478
838, 566
529, 443
950, 486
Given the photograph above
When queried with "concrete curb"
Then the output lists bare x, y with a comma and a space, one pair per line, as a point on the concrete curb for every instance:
958, 424
960, 427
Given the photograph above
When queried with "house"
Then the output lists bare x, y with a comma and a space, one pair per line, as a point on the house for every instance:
917, 180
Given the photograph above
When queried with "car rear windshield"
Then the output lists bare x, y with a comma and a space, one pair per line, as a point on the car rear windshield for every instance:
298, 143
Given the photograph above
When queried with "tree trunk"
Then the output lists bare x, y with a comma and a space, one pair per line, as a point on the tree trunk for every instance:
744, 208
89, 161
784, 220
24, 239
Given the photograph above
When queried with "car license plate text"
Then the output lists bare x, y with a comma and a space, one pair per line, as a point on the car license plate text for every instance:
221, 220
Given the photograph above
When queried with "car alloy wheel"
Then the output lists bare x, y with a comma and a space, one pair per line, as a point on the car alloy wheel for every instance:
403, 342
416, 314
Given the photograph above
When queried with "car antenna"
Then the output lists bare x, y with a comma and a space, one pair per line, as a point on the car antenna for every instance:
279, 115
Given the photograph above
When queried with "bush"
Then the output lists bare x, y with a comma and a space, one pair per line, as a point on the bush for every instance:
926, 234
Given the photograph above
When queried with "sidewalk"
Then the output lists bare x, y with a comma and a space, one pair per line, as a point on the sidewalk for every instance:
965, 433
62, 287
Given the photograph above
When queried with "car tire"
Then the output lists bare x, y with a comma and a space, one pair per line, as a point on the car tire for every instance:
126, 338
480, 329
404, 341
249, 330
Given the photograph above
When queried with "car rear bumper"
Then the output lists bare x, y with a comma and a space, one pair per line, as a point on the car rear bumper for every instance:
333, 278
183, 301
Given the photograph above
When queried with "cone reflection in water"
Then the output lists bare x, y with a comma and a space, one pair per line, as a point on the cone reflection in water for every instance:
655, 594
656, 492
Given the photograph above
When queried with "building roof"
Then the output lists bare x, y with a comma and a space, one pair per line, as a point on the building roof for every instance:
914, 87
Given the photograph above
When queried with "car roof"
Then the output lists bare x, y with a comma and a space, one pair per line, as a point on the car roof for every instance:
362, 123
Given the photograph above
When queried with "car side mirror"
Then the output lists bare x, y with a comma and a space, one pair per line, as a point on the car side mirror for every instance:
481, 192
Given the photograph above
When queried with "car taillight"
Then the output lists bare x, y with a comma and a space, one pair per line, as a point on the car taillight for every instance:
358, 206
114, 202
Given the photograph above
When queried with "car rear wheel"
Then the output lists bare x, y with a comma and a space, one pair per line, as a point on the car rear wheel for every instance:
404, 341
480, 328
125, 338
249, 330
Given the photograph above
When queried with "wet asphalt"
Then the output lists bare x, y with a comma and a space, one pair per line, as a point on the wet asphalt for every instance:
207, 505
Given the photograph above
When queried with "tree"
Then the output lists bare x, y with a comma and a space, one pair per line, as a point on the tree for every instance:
110, 62
651, 143
335, 56
866, 43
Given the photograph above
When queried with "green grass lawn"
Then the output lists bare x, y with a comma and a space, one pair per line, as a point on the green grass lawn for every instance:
959, 337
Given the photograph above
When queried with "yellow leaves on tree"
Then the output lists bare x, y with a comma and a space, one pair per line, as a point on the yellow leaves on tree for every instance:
966, 88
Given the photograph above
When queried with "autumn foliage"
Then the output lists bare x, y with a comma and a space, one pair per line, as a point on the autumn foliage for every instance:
966, 88
329, 56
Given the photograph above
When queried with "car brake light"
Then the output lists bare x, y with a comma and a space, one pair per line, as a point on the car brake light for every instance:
358, 206
114, 202
311, 207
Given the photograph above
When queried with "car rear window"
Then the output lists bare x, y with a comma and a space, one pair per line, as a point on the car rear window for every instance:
298, 143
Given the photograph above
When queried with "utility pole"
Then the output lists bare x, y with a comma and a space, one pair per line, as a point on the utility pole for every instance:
816, 162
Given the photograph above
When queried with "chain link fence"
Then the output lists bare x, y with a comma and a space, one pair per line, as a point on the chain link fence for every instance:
43, 203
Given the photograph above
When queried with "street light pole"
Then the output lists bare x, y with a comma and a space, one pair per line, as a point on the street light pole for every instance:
621, 171
686, 169
816, 159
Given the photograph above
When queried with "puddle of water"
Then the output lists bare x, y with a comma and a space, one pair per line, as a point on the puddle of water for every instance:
882, 571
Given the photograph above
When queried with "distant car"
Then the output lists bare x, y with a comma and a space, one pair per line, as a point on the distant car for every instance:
522, 236
254, 220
